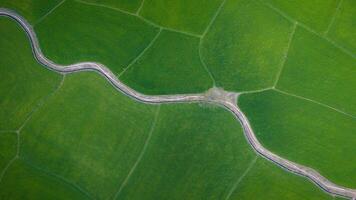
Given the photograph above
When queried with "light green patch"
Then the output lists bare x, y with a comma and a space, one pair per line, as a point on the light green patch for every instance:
172, 65
316, 14
266, 181
318, 70
304, 132
8, 148
88, 133
343, 30
127, 5
93, 33
24, 82
194, 153
32, 10
185, 15
24, 182
246, 46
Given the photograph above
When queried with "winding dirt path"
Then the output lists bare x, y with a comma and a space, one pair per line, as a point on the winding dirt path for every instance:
214, 95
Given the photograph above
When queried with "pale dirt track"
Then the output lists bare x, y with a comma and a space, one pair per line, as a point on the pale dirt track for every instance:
215, 96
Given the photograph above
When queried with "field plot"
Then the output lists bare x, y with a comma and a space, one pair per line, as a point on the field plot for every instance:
191, 156
24, 82
32, 10
172, 65
190, 16
25, 182
93, 33
97, 132
246, 45
314, 13
305, 132
343, 28
266, 181
318, 70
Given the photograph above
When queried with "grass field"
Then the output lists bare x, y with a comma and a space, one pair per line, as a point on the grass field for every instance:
32, 10
343, 29
93, 33
170, 66
317, 70
304, 132
23, 181
314, 13
88, 133
127, 5
24, 82
266, 181
185, 15
249, 52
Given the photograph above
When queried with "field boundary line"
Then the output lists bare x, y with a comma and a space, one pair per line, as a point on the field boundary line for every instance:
204, 64
48, 13
7, 167
40, 103
147, 21
285, 54
214, 96
142, 153
217, 12
343, 49
337, 10
12, 159
140, 8
252, 163
314, 101
141, 53
56, 176
200, 46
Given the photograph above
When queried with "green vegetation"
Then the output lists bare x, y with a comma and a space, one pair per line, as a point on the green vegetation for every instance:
246, 45
304, 132
170, 66
266, 181
343, 29
190, 156
24, 82
8, 148
128, 5
318, 70
93, 33
185, 15
316, 14
79, 138
26, 182
32, 10
88, 133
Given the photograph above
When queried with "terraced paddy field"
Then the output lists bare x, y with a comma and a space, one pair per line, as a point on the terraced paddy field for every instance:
75, 136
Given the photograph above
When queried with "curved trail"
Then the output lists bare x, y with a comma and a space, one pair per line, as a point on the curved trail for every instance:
216, 96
